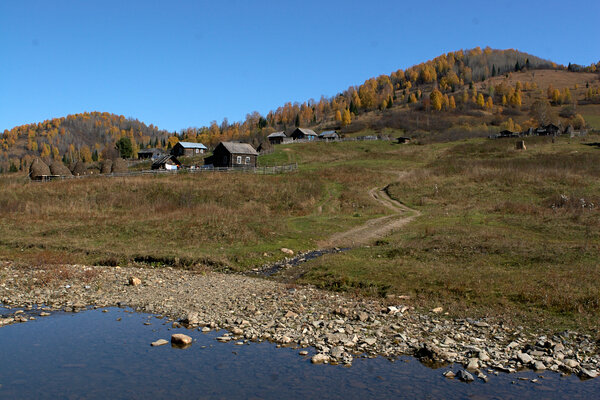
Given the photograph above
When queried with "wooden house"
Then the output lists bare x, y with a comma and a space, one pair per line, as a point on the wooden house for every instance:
277, 137
233, 155
188, 149
303, 134
547, 130
166, 161
152, 153
329, 135
507, 134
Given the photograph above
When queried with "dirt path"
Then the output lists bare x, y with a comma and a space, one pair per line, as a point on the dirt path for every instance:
375, 228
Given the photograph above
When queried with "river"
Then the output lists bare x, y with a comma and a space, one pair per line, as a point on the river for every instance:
99, 355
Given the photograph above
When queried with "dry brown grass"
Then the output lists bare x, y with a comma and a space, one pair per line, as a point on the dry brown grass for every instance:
544, 78
503, 233
212, 219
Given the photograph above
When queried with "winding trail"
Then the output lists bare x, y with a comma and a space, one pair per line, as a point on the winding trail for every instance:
362, 235
375, 228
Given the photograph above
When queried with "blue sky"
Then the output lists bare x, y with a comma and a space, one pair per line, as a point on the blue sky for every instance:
177, 64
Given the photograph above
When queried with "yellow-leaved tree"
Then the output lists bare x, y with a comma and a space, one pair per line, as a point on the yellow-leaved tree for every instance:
338, 116
436, 99
480, 101
346, 117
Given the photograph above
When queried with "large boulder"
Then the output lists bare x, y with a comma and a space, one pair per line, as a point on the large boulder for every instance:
58, 168
38, 168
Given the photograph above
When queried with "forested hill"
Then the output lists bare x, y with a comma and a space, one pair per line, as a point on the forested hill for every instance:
397, 100
75, 137
465, 87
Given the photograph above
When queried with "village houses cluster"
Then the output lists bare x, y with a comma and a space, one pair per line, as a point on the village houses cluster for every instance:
228, 154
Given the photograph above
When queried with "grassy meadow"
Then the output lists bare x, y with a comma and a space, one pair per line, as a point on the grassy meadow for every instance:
502, 232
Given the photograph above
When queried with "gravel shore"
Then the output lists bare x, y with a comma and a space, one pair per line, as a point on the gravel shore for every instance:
338, 326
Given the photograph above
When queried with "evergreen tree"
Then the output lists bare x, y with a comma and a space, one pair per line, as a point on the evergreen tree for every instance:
125, 147
297, 122
95, 155
517, 67
13, 167
494, 69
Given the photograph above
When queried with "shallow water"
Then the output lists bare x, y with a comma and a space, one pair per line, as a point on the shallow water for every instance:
91, 355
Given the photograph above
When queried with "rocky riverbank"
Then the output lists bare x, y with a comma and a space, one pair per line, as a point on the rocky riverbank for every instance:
339, 327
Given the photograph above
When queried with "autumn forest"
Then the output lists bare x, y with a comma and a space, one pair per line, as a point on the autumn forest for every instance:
478, 91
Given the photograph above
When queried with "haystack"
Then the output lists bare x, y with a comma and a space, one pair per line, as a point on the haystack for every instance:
58, 168
79, 169
119, 165
37, 169
106, 166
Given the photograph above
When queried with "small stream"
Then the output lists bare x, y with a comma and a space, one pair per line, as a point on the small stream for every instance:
100, 355
272, 269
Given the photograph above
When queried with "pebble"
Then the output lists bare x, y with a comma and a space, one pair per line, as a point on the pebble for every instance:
465, 376
338, 327
449, 374
181, 339
320, 358
159, 342
133, 281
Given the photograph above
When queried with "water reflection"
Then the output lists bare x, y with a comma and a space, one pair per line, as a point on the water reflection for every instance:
91, 355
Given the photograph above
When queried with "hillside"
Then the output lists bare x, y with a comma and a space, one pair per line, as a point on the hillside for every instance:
466, 93
499, 232
85, 137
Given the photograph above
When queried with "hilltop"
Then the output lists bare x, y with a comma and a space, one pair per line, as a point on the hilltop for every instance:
466, 93
88, 136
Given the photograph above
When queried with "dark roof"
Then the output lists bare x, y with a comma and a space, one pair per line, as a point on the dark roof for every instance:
239, 148
277, 134
164, 159
191, 145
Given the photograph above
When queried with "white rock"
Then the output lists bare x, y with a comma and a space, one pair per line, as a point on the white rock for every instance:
588, 373
465, 376
237, 331
473, 364
539, 366
287, 251
449, 374
159, 342
320, 358
569, 362
524, 358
